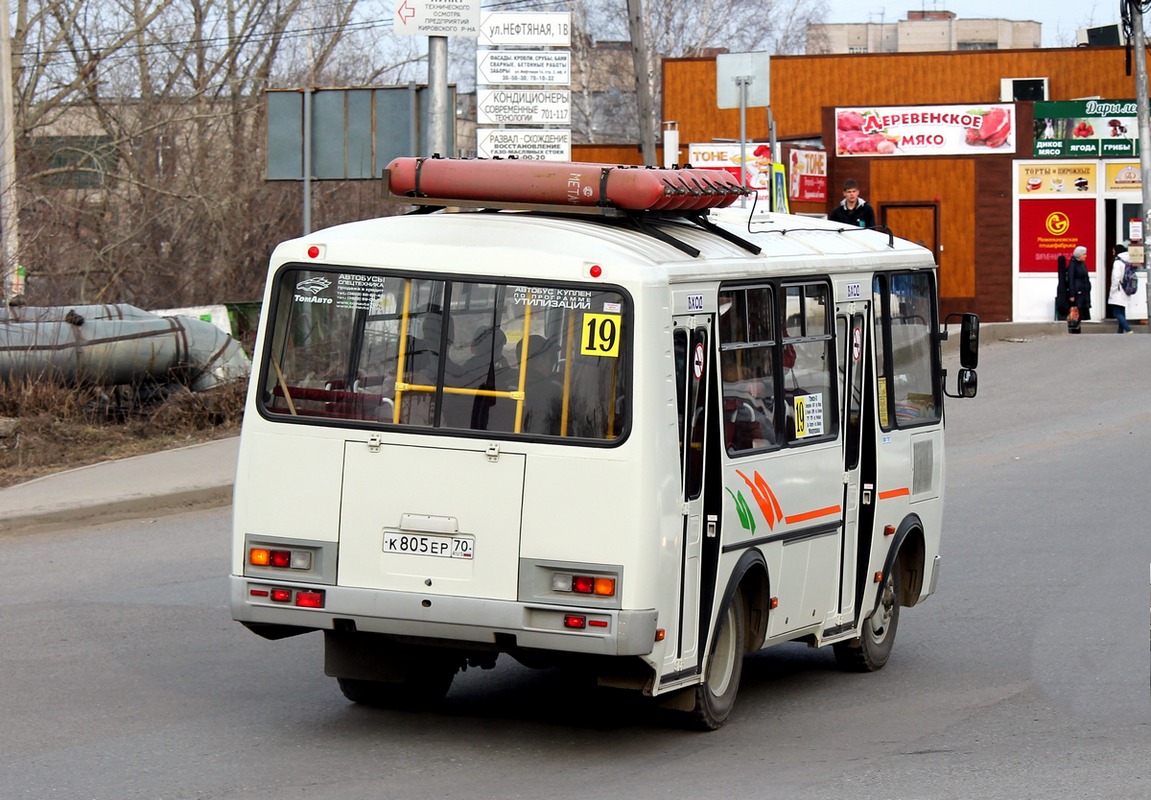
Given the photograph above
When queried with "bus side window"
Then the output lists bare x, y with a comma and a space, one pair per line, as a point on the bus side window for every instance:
746, 368
905, 322
808, 361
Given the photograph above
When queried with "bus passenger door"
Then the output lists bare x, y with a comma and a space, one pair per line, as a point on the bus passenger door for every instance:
855, 344
692, 356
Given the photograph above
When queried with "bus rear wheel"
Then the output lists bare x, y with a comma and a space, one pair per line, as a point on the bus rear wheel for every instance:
871, 650
715, 697
424, 687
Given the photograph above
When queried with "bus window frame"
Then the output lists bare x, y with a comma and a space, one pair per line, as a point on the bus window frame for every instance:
830, 353
270, 373
889, 419
778, 346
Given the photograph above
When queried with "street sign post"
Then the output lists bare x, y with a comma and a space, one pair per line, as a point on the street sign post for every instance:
743, 80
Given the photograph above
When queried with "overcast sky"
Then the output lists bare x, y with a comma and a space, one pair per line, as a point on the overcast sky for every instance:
1060, 18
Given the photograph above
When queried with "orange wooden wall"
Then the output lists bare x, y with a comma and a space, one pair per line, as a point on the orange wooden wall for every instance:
802, 85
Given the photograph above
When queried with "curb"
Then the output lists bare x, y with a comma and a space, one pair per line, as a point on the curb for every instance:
117, 510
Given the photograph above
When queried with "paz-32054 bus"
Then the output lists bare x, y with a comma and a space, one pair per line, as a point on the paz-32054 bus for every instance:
641, 440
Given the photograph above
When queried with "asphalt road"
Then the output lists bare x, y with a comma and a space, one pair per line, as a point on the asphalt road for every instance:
1026, 676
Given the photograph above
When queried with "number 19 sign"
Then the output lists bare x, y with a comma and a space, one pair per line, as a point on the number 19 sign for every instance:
600, 335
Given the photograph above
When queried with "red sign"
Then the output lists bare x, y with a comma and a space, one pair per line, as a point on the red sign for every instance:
1052, 228
807, 170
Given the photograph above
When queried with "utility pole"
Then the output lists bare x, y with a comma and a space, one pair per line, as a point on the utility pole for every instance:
440, 114
641, 58
1141, 109
12, 285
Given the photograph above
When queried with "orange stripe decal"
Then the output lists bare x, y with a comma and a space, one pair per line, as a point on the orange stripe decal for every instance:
819, 512
901, 492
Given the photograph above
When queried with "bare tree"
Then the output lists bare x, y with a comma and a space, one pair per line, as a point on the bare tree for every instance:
704, 27
142, 138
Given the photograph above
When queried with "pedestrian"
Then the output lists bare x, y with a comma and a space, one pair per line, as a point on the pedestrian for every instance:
1078, 287
853, 210
1117, 298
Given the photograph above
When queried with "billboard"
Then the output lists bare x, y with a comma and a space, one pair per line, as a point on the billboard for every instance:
925, 130
1049, 228
1086, 129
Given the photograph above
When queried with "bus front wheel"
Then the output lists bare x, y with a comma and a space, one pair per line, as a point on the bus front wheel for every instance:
715, 697
871, 650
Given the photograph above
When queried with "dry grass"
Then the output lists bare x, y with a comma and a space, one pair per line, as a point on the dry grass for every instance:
46, 428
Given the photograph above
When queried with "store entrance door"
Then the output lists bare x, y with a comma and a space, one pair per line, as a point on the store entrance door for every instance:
916, 222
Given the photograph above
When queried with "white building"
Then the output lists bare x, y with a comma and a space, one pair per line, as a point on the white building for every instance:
923, 31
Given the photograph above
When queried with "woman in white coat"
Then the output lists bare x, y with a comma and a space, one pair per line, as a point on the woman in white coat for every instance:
1117, 298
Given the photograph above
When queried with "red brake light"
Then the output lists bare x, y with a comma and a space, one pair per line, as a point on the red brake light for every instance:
582, 584
282, 595
575, 621
280, 558
310, 599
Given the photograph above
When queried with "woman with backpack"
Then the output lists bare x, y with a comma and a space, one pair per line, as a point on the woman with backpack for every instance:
1121, 281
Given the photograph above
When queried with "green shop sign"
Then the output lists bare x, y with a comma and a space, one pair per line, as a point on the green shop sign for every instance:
1086, 129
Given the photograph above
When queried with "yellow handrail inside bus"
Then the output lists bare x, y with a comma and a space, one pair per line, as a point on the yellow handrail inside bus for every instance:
567, 375
400, 387
521, 382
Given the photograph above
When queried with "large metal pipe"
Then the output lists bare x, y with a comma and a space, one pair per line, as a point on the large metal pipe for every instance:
120, 344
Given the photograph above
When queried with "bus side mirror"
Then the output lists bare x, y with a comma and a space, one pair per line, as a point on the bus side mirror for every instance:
969, 346
967, 383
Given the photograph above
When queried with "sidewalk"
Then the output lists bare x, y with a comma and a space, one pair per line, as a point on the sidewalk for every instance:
201, 476
151, 485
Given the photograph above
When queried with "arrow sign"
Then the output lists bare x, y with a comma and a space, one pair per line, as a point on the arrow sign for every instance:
437, 18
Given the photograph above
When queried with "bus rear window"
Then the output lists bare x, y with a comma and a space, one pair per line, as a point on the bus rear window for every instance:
440, 354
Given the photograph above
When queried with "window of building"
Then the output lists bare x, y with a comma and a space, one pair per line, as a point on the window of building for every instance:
75, 162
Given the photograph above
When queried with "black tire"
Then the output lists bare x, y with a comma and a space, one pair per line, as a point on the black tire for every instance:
426, 685
870, 651
715, 697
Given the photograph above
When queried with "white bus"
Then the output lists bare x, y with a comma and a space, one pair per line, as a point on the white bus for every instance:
641, 443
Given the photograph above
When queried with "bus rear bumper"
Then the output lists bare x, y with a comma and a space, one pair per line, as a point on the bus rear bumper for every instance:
506, 624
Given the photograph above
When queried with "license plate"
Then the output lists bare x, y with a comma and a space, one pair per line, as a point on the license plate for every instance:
422, 544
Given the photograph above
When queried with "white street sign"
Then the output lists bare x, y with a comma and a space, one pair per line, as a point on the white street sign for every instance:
524, 106
539, 144
522, 68
437, 18
526, 29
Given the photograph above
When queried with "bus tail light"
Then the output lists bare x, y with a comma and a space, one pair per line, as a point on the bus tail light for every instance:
600, 585
577, 621
306, 599
280, 559
301, 598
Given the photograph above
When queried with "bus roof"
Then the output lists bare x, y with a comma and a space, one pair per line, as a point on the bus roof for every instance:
516, 243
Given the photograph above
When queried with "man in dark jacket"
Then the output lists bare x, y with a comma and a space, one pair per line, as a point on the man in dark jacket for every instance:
853, 210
